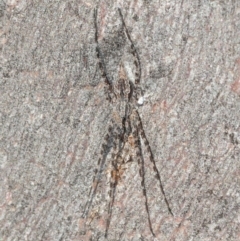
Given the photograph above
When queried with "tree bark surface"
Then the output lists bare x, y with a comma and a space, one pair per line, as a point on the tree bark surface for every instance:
54, 115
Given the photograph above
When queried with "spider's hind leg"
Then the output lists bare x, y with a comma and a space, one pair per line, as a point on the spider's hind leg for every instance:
102, 66
134, 52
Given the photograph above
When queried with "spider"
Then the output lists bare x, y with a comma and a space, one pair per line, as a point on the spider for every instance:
125, 132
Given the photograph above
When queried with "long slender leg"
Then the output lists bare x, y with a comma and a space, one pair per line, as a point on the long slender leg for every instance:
140, 161
113, 185
99, 170
118, 159
114, 180
134, 53
145, 140
102, 66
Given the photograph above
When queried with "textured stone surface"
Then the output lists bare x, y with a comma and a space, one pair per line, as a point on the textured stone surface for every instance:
53, 116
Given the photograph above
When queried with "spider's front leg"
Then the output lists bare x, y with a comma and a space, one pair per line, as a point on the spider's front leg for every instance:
140, 160
119, 158
117, 161
145, 140
113, 185
105, 149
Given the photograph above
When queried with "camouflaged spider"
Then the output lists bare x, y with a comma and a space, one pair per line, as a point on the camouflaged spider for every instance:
125, 131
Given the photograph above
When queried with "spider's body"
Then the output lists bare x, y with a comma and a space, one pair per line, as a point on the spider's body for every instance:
123, 90
125, 132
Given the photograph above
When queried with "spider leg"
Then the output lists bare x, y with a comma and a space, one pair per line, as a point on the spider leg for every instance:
114, 180
145, 140
134, 53
101, 61
113, 185
140, 161
98, 172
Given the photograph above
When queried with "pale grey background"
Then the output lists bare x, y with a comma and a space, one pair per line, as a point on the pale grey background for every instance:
53, 116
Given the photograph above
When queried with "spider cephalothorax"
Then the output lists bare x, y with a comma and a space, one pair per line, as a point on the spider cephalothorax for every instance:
123, 90
125, 132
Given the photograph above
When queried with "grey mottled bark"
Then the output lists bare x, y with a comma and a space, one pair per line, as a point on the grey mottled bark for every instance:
53, 116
